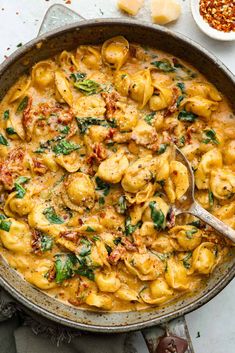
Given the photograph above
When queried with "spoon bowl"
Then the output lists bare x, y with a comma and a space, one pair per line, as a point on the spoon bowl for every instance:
188, 204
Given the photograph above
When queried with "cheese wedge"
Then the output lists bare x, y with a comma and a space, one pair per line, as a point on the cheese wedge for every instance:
164, 11
132, 7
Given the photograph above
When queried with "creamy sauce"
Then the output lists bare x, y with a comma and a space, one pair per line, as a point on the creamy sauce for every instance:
88, 176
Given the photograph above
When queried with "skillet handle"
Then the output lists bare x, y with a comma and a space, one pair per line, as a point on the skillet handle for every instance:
57, 16
170, 337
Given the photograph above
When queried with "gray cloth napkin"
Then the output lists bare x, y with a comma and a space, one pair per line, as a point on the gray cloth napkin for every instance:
21, 333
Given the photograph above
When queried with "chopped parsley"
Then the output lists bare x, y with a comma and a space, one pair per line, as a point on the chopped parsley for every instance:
149, 117
51, 216
210, 137
187, 116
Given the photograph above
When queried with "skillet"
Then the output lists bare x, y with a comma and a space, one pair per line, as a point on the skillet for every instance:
94, 32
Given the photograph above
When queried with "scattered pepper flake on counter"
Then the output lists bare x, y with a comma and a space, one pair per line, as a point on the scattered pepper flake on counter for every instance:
219, 14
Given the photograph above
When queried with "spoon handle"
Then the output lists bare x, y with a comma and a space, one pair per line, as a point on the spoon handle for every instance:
219, 226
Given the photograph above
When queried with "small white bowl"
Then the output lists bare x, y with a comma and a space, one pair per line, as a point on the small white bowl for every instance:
205, 27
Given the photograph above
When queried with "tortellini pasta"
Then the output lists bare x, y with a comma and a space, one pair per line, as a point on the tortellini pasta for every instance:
115, 52
63, 90
79, 192
113, 168
210, 161
17, 238
204, 258
141, 88
89, 56
178, 183
90, 179
43, 74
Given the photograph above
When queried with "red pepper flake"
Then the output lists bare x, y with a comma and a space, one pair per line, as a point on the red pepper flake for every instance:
219, 14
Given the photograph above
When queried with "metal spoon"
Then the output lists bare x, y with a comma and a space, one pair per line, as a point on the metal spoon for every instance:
189, 205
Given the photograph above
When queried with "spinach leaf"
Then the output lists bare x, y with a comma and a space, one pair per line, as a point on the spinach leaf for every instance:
129, 228
22, 180
2, 216
65, 130
86, 248
23, 104
181, 141
210, 137
157, 216
86, 272
88, 87
101, 200
3, 140
85, 123
211, 198
187, 116
90, 229
196, 224
64, 266
102, 185
51, 216
5, 225
189, 233
117, 240
46, 242
78, 76
20, 191
163, 65
149, 117
108, 248
122, 205
6, 115
10, 131
19, 188
65, 147
179, 100
162, 148
186, 259
161, 256
181, 86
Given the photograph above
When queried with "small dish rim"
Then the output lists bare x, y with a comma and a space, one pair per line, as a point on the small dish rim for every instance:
206, 28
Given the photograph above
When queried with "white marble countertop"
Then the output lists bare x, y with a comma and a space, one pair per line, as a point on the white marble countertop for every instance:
212, 327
